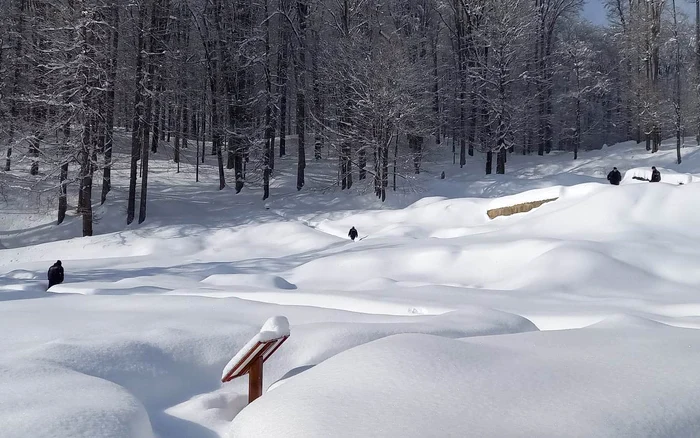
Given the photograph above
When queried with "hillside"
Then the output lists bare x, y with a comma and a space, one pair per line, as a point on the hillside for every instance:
578, 318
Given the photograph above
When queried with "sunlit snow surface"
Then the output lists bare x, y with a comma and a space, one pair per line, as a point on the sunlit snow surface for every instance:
438, 322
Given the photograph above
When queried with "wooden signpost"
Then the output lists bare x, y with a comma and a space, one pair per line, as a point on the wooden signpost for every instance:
251, 363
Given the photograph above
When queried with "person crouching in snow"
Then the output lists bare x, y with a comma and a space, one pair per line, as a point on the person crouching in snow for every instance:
353, 233
615, 177
655, 175
55, 274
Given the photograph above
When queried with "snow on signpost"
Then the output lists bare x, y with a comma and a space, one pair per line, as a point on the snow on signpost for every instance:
249, 360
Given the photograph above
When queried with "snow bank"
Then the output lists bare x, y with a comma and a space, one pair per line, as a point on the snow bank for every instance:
667, 176
255, 281
44, 400
582, 383
574, 192
416, 221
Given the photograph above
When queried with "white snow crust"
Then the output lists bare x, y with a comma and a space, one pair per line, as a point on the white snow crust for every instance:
578, 318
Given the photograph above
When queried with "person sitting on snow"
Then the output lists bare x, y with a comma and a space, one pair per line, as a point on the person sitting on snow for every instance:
655, 175
353, 233
615, 177
55, 274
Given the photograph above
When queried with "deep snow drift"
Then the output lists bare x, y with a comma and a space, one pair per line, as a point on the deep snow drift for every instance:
589, 382
438, 318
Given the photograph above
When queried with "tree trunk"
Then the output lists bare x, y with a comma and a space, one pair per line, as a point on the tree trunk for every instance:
385, 168
137, 130
548, 97
63, 183
185, 122
489, 162
157, 30
195, 132
541, 98
396, 154
501, 160
34, 142
697, 62
109, 117
677, 73
269, 130
162, 124
462, 71
14, 107
577, 134
416, 146
203, 123
170, 121
85, 196
178, 118
282, 78
157, 128
300, 69
318, 107
472, 123
216, 138
62, 198
436, 92
8, 159
214, 53
362, 162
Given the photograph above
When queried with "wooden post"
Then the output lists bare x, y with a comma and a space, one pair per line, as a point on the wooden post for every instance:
255, 379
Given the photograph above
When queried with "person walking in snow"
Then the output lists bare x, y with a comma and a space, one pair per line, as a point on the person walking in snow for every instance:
55, 274
615, 177
353, 233
655, 175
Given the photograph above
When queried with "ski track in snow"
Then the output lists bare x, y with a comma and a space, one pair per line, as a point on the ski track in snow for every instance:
579, 291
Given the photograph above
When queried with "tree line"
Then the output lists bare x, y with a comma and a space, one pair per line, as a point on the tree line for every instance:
371, 85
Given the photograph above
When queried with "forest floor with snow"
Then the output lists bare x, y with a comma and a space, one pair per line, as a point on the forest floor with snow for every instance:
579, 318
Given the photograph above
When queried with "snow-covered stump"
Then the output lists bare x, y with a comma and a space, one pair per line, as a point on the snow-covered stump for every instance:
250, 359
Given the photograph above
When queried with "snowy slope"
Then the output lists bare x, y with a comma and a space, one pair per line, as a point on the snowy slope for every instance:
612, 382
439, 315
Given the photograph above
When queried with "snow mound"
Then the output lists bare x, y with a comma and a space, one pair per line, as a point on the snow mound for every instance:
667, 176
284, 379
21, 274
269, 239
418, 220
609, 383
42, 401
627, 321
99, 288
260, 281
573, 192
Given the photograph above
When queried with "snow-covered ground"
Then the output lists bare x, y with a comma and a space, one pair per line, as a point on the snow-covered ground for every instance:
578, 318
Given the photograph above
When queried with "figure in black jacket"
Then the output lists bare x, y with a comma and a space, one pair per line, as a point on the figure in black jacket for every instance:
55, 274
353, 233
615, 177
655, 175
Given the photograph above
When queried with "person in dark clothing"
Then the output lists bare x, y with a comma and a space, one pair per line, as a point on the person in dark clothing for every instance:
615, 177
55, 274
655, 175
353, 233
